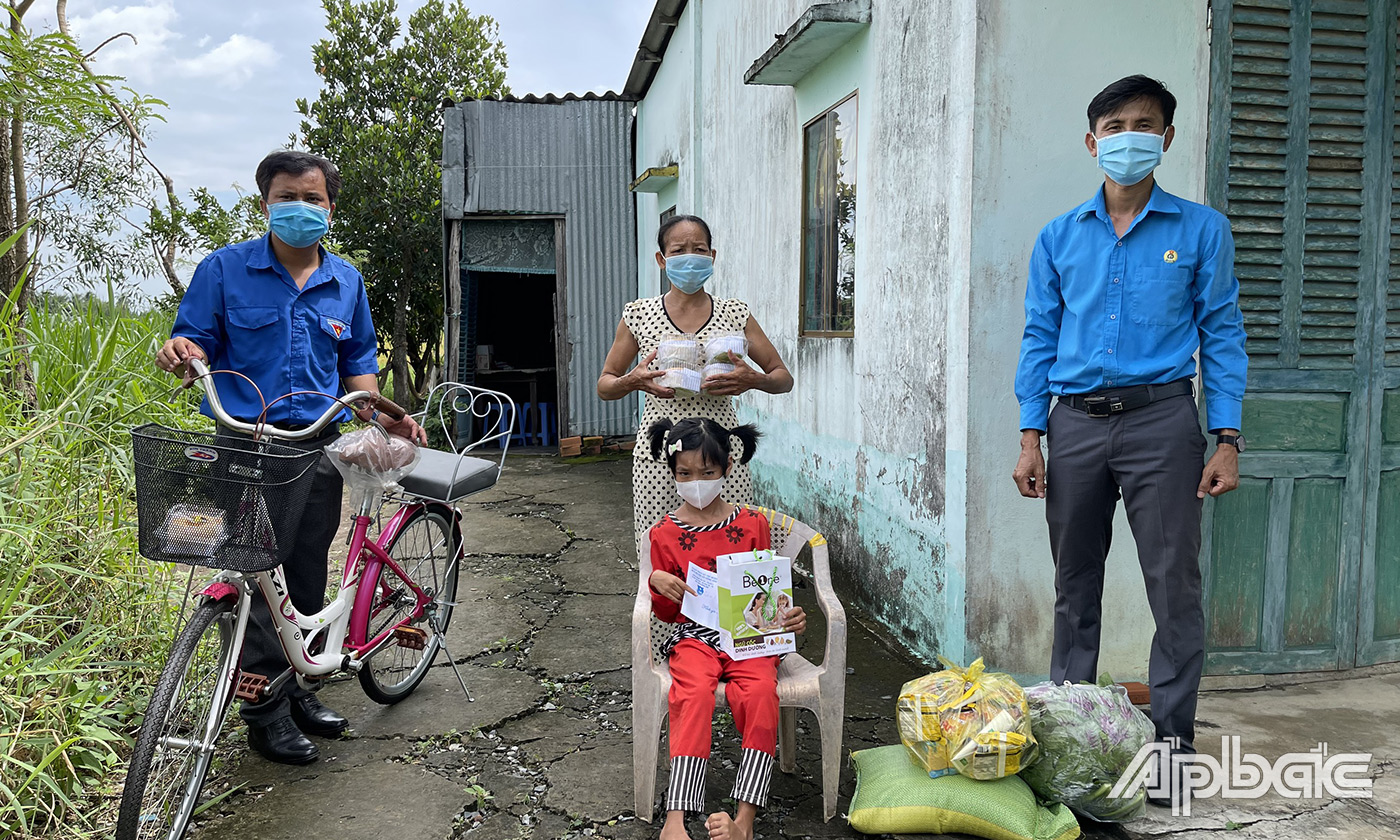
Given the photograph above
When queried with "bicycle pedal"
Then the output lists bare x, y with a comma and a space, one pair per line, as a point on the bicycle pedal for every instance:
412, 638
250, 687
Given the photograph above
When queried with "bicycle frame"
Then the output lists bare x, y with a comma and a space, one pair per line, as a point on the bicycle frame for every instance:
345, 621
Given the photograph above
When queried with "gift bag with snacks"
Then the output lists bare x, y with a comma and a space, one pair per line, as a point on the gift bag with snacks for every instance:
966, 721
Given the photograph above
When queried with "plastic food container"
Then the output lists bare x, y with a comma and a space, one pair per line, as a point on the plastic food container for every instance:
715, 368
726, 348
684, 381
678, 351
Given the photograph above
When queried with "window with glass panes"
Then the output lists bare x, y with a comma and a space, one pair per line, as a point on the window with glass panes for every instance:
829, 222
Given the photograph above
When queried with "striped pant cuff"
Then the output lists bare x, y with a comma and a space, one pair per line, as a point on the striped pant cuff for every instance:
686, 791
755, 772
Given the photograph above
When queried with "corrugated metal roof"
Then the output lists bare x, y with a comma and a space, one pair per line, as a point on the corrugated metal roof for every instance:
574, 160
555, 99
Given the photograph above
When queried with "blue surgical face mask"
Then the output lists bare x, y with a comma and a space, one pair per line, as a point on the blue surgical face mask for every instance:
298, 223
1129, 156
688, 272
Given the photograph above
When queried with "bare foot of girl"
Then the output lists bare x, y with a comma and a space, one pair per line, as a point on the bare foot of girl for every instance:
674, 827
723, 828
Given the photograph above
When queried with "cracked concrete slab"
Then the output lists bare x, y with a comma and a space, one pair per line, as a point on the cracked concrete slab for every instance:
589, 784
485, 531
596, 520
591, 633
595, 568
438, 706
381, 799
547, 737
486, 617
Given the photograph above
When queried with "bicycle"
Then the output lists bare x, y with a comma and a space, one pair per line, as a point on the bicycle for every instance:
232, 503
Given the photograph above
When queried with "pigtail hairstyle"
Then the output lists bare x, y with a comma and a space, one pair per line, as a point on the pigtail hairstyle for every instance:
748, 434
713, 441
657, 435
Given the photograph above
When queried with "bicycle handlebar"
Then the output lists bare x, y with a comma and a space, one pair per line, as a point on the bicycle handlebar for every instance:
201, 371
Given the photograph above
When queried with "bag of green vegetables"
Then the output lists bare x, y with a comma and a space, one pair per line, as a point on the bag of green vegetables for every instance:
1088, 736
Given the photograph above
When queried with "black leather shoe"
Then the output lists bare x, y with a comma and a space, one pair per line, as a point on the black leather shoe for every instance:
313, 718
281, 741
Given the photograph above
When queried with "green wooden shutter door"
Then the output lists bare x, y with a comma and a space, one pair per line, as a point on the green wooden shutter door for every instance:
1302, 119
1380, 615
1258, 166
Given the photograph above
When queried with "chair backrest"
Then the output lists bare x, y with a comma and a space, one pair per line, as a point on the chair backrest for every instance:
788, 537
456, 408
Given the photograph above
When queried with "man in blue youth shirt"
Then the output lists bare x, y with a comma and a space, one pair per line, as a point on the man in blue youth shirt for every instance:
291, 317
1123, 291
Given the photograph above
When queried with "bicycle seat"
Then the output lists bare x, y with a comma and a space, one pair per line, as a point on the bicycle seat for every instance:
445, 477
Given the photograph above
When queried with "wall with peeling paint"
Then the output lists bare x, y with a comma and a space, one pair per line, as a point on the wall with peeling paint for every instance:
898, 444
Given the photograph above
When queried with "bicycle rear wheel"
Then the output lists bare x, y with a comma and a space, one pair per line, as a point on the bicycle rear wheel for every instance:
186, 711
426, 548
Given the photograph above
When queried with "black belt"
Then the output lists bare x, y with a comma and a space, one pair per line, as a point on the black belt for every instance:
1118, 400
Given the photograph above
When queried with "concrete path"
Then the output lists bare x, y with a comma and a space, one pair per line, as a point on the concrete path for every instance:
545, 751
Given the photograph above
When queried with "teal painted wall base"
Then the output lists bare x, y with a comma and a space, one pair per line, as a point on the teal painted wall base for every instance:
888, 555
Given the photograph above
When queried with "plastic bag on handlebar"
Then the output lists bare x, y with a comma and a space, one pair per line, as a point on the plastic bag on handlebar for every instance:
372, 462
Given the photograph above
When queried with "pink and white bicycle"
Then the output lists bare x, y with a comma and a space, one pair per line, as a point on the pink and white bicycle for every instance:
233, 503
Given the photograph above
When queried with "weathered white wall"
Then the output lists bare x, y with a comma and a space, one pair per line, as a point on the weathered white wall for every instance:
899, 443
860, 447
1038, 65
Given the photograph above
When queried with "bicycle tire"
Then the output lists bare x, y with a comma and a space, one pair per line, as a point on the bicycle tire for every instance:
166, 770
426, 547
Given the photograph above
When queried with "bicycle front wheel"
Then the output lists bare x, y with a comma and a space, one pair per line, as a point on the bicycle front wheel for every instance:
426, 549
176, 743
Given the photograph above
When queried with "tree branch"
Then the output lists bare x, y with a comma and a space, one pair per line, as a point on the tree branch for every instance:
62, 9
167, 258
50, 193
108, 41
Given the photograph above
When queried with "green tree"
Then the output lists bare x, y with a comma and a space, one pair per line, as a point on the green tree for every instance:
378, 116
47, 92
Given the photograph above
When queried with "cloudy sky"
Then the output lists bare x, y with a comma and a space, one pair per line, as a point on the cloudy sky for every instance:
232, 71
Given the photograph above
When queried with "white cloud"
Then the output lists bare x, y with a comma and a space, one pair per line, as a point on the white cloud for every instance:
151, 24
159, 47
234, 62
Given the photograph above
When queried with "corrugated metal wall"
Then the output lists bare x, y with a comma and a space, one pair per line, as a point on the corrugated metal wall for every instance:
569, 158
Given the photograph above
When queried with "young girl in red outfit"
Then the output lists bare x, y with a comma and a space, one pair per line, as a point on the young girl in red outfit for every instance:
702, 528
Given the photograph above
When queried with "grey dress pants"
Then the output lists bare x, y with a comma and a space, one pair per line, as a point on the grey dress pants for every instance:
1153, 456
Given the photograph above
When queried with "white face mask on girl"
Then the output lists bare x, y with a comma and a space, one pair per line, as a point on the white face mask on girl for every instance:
700, 492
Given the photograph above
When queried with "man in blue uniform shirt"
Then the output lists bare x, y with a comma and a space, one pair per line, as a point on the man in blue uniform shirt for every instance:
291, 317
1123, 291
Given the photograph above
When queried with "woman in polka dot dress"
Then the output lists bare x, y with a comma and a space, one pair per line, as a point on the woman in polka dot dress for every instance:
687, 256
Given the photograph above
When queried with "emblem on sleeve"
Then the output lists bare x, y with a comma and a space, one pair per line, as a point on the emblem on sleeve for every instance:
1169, 256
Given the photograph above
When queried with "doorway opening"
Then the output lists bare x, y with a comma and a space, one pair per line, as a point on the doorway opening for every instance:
515, 325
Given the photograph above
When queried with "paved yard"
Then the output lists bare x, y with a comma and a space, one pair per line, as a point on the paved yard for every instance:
545, 751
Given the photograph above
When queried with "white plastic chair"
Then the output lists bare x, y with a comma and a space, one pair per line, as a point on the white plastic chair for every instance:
801, 685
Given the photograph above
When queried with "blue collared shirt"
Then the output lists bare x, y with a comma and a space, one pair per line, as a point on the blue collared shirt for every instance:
1104, 312
247, 314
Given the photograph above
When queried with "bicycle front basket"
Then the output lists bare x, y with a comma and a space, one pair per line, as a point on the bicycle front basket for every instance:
222, 501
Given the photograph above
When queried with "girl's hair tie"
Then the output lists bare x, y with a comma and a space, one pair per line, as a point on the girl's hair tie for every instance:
673, 448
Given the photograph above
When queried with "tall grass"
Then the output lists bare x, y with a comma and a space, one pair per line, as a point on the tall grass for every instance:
84, 622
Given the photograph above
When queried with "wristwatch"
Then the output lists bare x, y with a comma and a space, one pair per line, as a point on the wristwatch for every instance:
1236, 441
